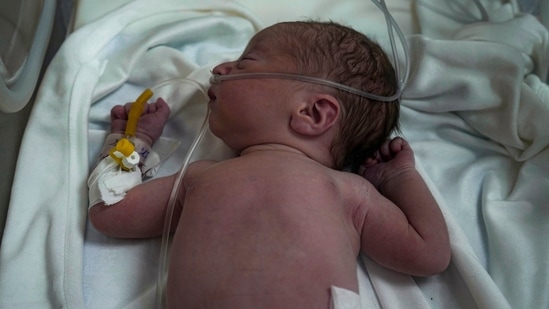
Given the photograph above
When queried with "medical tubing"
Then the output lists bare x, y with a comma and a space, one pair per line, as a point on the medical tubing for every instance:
135, 112
163, 260
392, 25
383, 8
216, 78
169, 212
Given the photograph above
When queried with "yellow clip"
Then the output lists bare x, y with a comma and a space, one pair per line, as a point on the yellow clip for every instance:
123, 149
123, 152
136, 110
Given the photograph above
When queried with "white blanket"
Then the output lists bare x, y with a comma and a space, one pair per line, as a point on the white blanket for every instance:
475, 111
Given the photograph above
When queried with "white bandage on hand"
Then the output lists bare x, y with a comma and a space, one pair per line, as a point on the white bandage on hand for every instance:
108, 183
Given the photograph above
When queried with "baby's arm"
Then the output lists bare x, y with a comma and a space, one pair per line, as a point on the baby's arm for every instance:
141, 212
412, 237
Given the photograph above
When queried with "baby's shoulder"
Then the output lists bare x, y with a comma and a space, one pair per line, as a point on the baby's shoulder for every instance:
360, 197
347, 179
355, 189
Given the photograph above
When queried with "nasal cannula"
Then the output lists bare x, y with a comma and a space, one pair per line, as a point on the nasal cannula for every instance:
391, 25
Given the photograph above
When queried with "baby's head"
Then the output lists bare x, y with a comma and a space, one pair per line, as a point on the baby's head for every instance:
341, 54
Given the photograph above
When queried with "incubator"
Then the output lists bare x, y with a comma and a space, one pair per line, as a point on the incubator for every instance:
474, 96
25, 29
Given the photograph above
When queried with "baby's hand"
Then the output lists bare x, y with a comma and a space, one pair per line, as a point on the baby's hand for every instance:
393, 158
150, 124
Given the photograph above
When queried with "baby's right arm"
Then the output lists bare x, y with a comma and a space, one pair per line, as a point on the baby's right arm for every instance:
141, 211
404, 228
140, 214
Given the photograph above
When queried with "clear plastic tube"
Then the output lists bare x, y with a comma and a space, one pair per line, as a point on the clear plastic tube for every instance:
393, 25
163, 260
217, 78
465, 18
402, 79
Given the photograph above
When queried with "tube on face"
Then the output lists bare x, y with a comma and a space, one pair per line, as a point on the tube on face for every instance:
217, 78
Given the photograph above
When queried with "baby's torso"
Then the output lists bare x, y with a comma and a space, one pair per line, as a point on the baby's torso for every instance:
258, 233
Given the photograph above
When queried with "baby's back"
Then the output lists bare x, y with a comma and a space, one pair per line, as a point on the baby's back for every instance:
263, 231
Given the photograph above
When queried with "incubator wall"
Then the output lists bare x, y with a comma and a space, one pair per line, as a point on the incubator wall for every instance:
25, 27
18, 23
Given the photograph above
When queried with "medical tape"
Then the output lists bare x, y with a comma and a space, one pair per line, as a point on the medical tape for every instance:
109, 181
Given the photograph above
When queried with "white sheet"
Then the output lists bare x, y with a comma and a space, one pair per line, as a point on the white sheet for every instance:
474, 111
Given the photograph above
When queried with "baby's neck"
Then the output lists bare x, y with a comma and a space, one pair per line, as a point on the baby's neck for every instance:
324, 160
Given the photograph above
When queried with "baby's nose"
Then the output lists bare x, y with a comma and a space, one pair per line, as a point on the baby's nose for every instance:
223, 68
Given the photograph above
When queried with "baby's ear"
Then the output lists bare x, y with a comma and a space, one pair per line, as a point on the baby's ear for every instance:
316, 115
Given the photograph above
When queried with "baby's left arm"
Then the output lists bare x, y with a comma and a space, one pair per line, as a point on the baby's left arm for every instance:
411, 235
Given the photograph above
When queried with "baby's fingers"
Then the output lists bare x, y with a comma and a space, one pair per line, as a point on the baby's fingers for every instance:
391, 147
384, 152
160, 107
370, 162
119, 112
397, 144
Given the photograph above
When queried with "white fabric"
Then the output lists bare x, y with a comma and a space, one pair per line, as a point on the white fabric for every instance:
475, 112
344, 299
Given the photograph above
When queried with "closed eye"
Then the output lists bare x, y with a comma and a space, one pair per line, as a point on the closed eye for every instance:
243, 59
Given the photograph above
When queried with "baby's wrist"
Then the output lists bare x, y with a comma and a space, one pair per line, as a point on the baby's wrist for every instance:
142, 147
397, 181
145, 139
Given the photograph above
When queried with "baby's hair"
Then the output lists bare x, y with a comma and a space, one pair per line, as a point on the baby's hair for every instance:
338, 53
